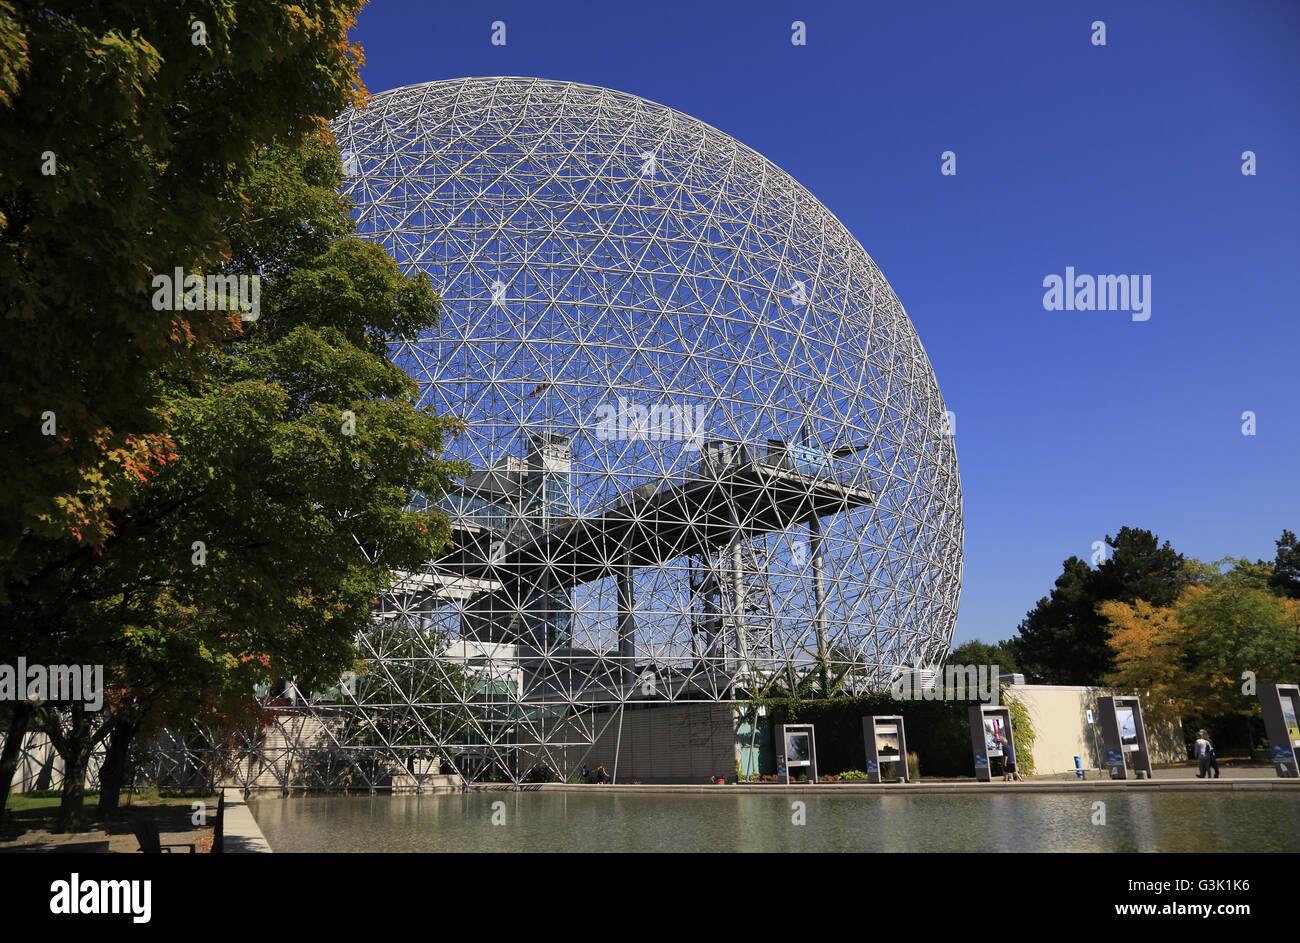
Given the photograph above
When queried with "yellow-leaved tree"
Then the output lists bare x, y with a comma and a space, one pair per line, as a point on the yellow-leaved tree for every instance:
1149, 643
1204, 655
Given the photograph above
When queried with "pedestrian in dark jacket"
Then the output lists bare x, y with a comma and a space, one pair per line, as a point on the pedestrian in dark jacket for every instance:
1214, 756
1204, 756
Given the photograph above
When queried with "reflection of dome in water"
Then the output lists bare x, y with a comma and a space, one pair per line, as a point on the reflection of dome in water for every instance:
709, 440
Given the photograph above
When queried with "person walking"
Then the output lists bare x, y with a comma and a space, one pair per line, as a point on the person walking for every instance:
1009, 771
1202, 755
1212, 755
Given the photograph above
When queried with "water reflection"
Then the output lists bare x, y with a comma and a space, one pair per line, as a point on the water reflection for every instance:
602, 821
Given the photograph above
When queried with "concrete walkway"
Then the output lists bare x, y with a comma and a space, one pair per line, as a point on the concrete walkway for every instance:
1247, 780
240, 831
1187, 772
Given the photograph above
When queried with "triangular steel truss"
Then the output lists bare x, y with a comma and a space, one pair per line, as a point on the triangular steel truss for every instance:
709, 443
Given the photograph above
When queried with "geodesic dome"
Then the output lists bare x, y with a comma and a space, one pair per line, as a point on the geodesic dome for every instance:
708, 443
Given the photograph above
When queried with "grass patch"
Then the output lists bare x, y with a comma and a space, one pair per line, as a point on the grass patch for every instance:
28, 812
27, 801
185, 793
39, 810
53, 794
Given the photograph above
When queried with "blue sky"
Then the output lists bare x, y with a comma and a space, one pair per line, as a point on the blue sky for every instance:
1117, 159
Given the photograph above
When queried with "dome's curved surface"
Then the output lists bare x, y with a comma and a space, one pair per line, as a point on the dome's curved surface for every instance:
626, 287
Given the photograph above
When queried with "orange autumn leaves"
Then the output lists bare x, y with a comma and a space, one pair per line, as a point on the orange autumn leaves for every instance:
1188, 659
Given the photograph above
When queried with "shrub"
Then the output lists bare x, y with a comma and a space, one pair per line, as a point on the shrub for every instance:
1022, 732
939, 730
542, 774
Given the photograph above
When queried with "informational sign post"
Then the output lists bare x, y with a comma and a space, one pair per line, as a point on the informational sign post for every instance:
990, 733
1124, 735
1281, 704
886, 742
796, 748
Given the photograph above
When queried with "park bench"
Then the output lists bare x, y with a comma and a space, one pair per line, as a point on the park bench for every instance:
146, 833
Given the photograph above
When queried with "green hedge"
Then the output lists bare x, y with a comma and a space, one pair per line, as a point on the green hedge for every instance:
937, 731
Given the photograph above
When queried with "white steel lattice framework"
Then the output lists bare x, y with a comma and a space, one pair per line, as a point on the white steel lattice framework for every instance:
711, 454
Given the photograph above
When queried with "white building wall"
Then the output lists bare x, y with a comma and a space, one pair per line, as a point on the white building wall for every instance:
40, 766
1062, 732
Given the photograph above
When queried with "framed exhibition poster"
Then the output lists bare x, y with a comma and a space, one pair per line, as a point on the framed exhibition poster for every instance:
993, 739
1128, 736
887, 743
797, 749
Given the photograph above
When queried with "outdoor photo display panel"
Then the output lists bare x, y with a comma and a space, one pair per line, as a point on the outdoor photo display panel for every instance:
1124, 735
796, 748
884, 740
1281, 705
991, 736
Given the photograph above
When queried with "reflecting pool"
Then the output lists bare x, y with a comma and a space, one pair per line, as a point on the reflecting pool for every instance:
595, 820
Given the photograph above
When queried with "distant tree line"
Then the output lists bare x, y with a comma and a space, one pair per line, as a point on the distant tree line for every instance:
1194, 639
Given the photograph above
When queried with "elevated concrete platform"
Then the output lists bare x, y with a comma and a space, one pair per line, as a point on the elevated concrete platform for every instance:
697, 517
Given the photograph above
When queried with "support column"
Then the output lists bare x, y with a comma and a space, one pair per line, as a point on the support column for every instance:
738, 589
626, 621
819, 583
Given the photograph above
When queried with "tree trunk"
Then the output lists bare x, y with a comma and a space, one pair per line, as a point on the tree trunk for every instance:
72, 812
13, 749
113, 773
74, 748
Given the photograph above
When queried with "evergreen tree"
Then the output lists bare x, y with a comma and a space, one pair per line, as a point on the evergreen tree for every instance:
1064, 639
1285, 580
976, 652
